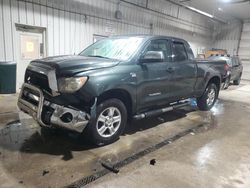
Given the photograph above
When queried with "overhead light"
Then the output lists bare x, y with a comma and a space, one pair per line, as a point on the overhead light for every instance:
226, 1
201, 12
220, 9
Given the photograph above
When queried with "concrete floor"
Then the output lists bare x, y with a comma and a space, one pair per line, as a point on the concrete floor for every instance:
215, 155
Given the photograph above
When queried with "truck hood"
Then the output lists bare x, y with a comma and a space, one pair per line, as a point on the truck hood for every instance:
69, 65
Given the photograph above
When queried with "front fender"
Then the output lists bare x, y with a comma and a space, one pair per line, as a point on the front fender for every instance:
119, 77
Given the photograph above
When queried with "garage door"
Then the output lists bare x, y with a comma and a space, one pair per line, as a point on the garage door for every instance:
244, 50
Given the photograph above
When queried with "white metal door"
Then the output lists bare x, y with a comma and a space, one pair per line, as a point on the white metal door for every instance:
30, 47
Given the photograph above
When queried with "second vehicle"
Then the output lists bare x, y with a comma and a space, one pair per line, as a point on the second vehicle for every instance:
235, 69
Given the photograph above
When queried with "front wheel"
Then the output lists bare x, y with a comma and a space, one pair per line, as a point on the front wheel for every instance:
110, 121
209, 97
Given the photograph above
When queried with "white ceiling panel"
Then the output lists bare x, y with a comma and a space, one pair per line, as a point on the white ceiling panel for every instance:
235, 8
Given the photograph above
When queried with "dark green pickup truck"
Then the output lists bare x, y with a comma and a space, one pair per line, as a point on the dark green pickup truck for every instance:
116, 79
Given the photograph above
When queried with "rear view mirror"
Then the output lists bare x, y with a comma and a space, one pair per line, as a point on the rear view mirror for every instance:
153, 56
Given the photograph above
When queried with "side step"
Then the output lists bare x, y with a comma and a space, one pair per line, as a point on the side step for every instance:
161, 110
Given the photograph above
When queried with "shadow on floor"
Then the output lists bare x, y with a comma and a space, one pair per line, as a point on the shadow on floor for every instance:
63, 142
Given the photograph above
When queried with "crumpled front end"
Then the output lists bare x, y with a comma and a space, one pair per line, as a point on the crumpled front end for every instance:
31, 100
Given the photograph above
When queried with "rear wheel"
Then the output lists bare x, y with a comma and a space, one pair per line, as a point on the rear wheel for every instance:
237, 82
227, 82
209, 97
110, 121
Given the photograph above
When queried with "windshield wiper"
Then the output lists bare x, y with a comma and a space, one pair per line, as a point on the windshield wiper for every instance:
98, 56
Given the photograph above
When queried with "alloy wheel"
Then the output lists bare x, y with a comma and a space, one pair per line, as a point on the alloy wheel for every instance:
108, 122
211, 96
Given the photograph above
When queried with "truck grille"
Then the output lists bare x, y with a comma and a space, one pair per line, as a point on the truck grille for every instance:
37, 79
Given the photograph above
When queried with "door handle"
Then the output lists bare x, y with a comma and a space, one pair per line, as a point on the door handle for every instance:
170, 69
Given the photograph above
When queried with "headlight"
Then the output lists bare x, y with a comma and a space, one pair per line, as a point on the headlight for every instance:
72, 84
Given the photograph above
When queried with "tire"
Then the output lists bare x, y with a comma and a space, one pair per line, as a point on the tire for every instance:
227, 83
105, 129
204, 103
237, 82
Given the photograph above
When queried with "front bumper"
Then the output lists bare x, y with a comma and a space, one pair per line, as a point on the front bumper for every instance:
31, 100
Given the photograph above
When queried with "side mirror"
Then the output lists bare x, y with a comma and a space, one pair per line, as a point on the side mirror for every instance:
152, 56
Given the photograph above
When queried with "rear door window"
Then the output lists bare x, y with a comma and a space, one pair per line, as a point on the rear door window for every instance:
235, 61
179, 52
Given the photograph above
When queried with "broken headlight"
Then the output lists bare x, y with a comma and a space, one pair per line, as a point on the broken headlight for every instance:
72, 84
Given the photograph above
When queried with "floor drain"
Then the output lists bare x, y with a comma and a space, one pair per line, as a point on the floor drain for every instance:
86, 180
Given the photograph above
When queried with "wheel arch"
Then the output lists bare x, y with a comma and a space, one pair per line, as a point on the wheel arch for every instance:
216, 80
120, 94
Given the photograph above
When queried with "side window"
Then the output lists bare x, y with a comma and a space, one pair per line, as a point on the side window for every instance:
189, 52
161, 45
235, 61
230, 62
179, 51
239, 61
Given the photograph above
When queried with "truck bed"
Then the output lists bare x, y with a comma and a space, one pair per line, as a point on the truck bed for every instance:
217, 64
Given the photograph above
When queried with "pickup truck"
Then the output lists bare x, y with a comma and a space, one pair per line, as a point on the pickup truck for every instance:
117, 79
235, 68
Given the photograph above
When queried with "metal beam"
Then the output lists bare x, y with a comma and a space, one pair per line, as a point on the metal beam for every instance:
198, 12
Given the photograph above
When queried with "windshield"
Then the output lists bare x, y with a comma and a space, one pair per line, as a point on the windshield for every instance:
114, 48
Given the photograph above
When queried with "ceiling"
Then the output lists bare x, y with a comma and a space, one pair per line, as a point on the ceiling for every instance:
229, 8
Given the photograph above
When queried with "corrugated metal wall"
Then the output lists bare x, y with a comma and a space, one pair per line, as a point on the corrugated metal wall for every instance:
71, 24
227, 36
244, 50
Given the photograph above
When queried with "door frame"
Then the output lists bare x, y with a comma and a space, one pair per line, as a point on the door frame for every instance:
33, 29
29, 29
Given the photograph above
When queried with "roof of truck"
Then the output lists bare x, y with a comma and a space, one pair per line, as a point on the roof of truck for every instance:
147, 36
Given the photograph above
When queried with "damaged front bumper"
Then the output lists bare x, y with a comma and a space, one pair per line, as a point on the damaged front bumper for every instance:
31, 100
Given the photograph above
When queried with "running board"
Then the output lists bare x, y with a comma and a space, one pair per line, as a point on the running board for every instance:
160, 111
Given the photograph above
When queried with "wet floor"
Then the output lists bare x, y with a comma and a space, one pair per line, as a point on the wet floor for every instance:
217, 155
43, 158
35, 157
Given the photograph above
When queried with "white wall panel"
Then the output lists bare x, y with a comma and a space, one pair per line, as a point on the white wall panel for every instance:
50, 32
72, 33
66, 28
62, 32
68, 32
14, 20
30, 13
245, 35
77, 33
246, 26
22, 12
7, 29
2, 48
56, 30
82, 32
37, 13
244, 50
228, 37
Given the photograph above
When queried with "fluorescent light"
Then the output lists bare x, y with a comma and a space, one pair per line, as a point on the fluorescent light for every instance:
201, 12
220, 9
